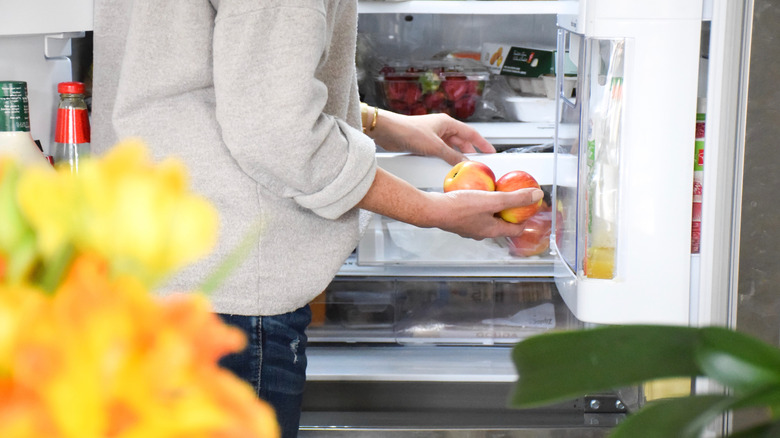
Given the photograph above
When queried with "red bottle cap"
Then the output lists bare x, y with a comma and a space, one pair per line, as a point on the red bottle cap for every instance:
71, 87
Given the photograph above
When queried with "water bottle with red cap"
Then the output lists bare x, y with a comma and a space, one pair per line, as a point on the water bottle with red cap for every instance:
72, 133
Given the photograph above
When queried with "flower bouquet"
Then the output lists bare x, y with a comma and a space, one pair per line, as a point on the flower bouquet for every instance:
86, 348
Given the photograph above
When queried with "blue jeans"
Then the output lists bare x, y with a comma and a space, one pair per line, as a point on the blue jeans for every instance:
274, 362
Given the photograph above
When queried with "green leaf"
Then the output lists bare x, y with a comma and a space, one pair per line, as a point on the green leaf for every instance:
737, 360
675, 417
686, 417
560, 365
56, 267
429, 82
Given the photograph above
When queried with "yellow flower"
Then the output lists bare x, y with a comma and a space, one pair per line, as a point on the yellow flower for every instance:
137, 214
86, 351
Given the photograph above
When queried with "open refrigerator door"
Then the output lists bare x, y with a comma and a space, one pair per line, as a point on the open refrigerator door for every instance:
624, 243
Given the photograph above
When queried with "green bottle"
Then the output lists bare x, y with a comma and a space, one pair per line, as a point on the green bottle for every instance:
15, 138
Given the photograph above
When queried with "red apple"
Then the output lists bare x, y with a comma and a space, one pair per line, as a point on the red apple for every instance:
470, 175
536, 235
515, 180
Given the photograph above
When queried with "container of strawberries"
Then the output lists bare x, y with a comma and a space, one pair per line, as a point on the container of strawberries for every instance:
453, 86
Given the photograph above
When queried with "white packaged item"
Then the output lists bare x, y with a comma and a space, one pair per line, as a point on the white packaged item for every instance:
530, 109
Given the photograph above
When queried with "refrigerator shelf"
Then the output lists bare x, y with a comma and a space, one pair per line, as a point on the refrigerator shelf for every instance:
410, 363
469, 7
41, 17
351, 268
428, 173
515, 133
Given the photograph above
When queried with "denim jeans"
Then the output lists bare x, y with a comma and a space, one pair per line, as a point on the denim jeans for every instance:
274, 361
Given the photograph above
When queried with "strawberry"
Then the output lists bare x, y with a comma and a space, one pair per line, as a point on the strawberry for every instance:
398, 106
412, 94
396, 90
464, 108
435, 102
455, 87
418, 109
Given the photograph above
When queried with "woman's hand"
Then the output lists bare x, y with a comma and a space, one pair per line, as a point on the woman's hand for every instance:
473, 213
436, 135
468, 213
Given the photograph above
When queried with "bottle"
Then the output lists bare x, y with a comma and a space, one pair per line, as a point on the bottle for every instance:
72, 133
698, 174
15, 138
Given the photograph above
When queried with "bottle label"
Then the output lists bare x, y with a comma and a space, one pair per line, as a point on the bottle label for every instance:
14, 114
72, 126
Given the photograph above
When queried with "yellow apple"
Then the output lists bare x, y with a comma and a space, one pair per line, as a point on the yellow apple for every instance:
470, 175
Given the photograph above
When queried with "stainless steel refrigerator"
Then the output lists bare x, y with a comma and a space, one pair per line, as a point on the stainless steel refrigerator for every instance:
413, 337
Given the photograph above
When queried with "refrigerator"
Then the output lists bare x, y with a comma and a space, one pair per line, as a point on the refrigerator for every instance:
413, 337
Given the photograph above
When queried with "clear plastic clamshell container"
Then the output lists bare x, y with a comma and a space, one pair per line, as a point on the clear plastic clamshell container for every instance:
452, 85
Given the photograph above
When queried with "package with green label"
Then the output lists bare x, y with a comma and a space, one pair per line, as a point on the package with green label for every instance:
527, 60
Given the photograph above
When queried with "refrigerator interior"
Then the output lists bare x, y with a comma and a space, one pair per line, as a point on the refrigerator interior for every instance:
414, 336
412, 39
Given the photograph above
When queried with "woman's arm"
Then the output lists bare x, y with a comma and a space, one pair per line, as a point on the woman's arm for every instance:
469, 213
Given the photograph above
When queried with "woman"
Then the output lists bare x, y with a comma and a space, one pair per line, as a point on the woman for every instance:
260, 100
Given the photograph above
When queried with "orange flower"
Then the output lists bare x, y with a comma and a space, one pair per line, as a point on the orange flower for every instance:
102, 358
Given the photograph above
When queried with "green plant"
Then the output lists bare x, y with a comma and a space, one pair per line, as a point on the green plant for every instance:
557, 366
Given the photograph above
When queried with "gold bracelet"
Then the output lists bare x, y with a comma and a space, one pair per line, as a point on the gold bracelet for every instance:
376, 117
364, 115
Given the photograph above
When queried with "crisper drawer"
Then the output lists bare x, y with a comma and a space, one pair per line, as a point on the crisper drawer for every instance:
396, 248
436, 311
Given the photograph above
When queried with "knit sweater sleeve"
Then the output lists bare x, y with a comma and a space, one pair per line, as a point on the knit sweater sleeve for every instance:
282, 96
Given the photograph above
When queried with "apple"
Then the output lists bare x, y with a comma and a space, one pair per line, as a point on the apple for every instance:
470, 175
536, 235
515, 180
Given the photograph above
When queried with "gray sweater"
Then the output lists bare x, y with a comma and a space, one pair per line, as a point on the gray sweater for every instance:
259, 99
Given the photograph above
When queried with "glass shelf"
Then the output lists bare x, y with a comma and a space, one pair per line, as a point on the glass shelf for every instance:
514, 133
468, 7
